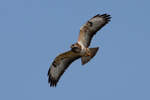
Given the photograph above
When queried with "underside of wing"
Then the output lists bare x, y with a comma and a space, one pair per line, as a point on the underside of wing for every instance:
59, 65
88, 30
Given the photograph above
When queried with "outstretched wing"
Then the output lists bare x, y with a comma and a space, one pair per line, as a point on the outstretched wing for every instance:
88, 30
59, 65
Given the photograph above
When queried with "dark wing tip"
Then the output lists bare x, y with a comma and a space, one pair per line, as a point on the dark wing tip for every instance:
106, 17
52, 81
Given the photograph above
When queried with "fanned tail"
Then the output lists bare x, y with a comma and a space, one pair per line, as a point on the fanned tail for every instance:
86, 59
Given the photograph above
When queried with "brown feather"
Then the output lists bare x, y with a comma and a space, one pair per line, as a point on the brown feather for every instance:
88, 30
59, 65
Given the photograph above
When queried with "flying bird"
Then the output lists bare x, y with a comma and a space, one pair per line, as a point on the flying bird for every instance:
87, 31
79, 49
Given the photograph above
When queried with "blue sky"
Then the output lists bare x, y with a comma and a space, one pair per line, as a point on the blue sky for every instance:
34, 32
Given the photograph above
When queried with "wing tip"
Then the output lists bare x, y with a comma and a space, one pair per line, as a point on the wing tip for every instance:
106, 16
52, 81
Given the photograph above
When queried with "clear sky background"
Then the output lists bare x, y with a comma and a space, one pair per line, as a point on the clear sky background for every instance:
34, 32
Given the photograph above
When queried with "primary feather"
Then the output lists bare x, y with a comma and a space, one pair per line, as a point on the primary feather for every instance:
89, 29
59, 65
79, 49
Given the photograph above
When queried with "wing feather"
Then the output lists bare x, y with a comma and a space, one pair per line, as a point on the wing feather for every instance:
88, 30
59, 65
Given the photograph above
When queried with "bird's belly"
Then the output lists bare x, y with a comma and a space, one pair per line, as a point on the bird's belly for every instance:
83, 51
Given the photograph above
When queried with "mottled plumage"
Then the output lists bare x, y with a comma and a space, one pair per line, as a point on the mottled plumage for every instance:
78, 50
89, 29
60, 64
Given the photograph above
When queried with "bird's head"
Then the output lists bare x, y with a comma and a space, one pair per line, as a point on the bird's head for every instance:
75, 48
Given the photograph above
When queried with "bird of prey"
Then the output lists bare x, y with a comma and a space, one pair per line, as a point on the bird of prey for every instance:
87, 31
79, 49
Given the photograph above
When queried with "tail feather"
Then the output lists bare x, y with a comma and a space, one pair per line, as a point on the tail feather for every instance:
86, 59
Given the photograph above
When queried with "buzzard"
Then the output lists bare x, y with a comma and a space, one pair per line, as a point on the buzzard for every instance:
79, 49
